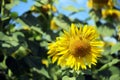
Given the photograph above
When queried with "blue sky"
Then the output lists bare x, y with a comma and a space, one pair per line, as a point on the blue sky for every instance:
77, 4
23, 7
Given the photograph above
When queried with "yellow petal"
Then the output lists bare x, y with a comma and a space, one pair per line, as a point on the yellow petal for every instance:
54, 59
97, 43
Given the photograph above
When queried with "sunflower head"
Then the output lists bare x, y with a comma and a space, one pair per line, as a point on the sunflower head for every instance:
98, 4
111, 14
48, 7
76, 48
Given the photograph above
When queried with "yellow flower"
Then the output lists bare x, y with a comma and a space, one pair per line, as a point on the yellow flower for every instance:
27, 28
98, 4
34, 8
53, 25
111, 14
48, 7
45, 62
77, 48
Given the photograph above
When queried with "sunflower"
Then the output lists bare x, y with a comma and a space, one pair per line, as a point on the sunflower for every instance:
76, 48
53, 25
48, 7
98, 4
112, 14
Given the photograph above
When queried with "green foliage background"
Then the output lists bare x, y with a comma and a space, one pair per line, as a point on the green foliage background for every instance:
23, 49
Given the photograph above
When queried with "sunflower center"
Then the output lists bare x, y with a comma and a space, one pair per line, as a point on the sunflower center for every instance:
100, 1
113, 15
80, 48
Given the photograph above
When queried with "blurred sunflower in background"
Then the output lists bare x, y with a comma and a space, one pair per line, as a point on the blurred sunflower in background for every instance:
77, 48
44, 8
48, 7
98, 4
111, 14
53, 25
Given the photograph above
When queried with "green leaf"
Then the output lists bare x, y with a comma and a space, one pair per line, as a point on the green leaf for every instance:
14, 14
94, 16
10, 6
20, 21
42, 71
105, 31
88, 71
24, 0
36, 29
114, 61
3, 64
16, 36
39, 3
62, 21
114, 70
8, 40
43, 1
115, 77
80, 77
3, 36
46, 37
38, 37
11, 40
68, 78
103, 67
115, 48
6, 45
73, 9
20, 52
